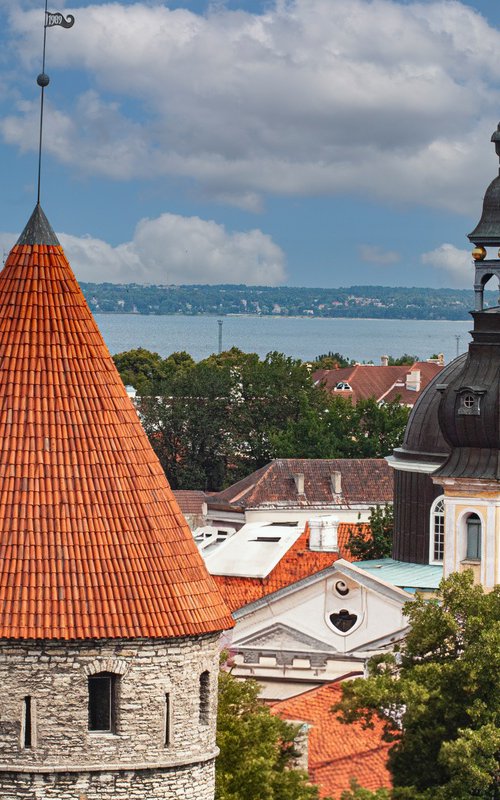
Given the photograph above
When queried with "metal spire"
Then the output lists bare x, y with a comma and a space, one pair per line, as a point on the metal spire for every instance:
43, 80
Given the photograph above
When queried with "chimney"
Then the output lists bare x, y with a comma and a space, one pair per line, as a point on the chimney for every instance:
413, 380
336, 482
384, 360
299, 482
323, 534
440, 359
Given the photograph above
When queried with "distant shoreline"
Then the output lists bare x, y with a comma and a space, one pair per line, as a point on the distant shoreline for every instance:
227, 301
279, 316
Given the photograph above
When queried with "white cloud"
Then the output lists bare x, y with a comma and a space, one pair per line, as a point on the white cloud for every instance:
311, 97
174, 249
375, 254
457, 264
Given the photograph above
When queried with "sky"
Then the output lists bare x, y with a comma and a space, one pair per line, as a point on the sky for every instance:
280, 142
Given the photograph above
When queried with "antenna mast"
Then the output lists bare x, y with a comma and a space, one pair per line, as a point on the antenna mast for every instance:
43, 80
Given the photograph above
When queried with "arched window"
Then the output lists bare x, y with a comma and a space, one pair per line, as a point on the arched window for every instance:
102, 702
204, 697
473, 527
437, 530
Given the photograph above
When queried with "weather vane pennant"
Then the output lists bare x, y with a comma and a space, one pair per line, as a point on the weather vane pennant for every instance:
53, 18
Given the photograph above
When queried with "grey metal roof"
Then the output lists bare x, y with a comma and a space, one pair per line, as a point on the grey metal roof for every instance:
38, 230
423, 439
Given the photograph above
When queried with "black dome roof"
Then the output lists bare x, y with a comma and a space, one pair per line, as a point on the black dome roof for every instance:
423, 440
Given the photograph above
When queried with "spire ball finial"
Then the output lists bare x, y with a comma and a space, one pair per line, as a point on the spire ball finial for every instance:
43, 80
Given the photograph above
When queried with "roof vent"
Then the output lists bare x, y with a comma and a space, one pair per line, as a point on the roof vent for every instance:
323, 534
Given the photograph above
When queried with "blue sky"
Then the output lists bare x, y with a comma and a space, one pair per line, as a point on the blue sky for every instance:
300, 142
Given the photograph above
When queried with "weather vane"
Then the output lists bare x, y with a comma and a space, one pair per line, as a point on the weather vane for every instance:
51, 20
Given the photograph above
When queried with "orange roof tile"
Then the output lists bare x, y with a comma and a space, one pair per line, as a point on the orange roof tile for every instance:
337, 752
297, 563
92, 541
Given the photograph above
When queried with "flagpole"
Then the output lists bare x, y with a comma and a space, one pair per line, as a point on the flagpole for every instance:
43, 81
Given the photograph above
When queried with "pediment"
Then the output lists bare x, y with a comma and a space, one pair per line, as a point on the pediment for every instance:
282, 637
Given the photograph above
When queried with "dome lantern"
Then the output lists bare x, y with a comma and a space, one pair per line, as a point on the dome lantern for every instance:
487, 234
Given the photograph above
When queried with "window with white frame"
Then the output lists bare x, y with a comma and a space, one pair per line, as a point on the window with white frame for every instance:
437, 530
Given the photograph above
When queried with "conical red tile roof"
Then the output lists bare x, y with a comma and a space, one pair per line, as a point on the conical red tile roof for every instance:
92, 541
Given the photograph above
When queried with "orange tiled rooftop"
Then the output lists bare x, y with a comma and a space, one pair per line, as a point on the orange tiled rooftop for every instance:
297, 563
337, 752
92, 541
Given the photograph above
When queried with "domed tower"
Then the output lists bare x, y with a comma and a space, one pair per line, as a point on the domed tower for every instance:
418, 501
109, 622
469, 418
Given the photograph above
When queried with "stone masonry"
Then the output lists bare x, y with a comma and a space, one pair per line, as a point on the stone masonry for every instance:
66, 760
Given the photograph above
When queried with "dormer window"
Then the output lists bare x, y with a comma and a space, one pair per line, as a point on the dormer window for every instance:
343, 386
470, 400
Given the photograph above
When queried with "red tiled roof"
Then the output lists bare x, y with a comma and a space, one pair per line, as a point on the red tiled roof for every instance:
337, 752
380, 382
92, 541
190, 501
364, 481
297, 563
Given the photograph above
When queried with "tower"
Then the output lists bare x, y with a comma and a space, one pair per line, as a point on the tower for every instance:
469, 418
109, 622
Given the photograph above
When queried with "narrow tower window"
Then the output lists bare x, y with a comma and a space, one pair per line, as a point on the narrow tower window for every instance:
473, 538
102, 702
167, 719
204, 697
27, 724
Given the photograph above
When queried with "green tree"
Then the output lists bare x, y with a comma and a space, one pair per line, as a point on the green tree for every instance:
379, 428
357, 792
330, 426
331, 361
378, 544
140, 368
402, 361
257, 749
439, 698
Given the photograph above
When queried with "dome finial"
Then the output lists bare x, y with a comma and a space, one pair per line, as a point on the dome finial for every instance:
495, 138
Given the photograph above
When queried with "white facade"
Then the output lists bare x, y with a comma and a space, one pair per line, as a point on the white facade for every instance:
293, 639
467, 499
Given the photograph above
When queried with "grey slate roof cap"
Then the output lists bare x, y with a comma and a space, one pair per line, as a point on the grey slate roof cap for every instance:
38, 230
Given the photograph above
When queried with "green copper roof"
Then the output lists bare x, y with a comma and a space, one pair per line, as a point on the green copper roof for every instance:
403, 574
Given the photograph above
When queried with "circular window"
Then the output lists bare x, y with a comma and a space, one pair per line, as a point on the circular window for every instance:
468, 401
341, 588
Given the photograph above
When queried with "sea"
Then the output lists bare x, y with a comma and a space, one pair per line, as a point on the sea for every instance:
299, 337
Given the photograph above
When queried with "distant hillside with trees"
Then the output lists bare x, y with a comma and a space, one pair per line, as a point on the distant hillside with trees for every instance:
379, 302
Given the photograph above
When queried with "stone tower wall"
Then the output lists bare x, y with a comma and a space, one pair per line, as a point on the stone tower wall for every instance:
66, 760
